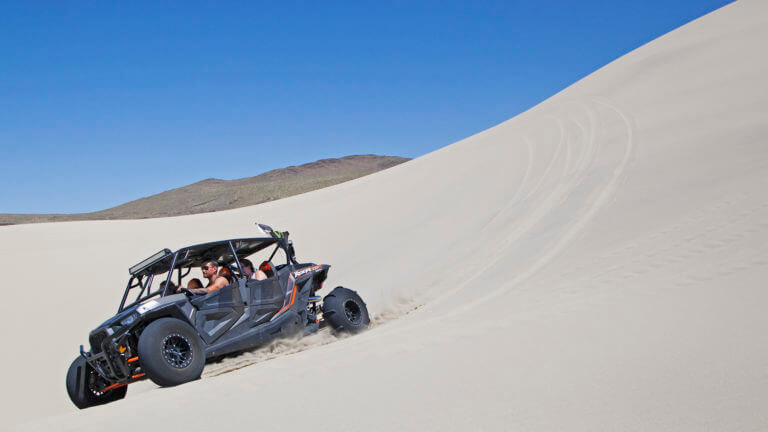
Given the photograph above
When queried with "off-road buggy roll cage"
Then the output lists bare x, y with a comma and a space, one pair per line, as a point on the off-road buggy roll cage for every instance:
169, 339
227, 253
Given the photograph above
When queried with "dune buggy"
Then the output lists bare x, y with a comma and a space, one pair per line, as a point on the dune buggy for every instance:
167, 336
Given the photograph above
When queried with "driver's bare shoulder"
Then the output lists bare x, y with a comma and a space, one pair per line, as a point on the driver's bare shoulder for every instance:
219, 283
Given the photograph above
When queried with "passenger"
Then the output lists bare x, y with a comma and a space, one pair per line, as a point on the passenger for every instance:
210, 270
249, 272
171, 286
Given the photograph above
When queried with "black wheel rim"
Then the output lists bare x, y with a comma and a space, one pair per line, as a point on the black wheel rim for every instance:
177, 350
353, 312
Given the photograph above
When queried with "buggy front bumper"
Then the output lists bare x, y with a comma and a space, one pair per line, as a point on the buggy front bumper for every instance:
112, 366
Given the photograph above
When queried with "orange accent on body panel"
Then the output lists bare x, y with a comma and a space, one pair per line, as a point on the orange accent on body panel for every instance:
298, 274
288, 306
138, 375
133, 359
293, 296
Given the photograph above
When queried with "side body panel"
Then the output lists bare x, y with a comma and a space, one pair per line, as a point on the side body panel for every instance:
218, 312
276, 307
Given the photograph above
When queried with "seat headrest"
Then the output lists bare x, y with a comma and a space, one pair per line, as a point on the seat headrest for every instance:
267, 268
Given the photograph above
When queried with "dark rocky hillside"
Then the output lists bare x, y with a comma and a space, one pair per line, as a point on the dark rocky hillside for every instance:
213, 194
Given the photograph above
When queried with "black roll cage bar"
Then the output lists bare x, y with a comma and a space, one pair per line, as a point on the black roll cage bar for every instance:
139, 279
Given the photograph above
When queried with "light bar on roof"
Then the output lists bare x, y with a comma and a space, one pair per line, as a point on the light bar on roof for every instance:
138, 268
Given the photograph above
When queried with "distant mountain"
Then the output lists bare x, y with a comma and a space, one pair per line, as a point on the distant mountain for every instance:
212, 195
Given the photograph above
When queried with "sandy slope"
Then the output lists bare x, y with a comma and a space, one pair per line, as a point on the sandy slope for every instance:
597, 263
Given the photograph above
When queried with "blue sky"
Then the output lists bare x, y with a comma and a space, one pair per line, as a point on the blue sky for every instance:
105, 102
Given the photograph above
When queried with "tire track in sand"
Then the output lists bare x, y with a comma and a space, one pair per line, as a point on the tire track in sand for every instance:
605, 195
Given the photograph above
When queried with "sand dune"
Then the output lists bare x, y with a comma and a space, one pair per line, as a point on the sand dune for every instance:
596, 263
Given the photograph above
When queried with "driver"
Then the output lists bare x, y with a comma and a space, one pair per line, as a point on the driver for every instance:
210, 270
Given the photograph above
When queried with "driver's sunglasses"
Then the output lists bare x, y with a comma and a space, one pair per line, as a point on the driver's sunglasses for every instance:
204, 268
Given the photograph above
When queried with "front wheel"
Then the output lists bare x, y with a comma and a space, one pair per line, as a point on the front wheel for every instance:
345, 311
170, 352
82, 382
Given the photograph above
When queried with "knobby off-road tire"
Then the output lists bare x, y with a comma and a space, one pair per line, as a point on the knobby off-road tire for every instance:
345, 311
170, 352
80, 380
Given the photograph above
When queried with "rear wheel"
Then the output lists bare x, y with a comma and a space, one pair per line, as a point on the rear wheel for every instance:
170, 352
82, 380
345, 311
